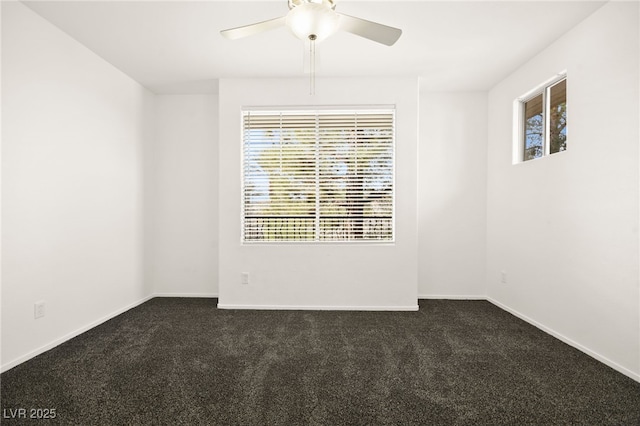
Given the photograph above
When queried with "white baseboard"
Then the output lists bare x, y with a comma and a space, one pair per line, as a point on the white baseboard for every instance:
451, 297
195, 295
593, 354
9, 365
317, 308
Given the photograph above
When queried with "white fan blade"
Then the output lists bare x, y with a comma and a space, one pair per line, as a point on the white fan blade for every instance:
371, 30
249, 30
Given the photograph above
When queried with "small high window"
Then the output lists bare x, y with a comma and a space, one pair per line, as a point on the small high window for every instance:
542, 121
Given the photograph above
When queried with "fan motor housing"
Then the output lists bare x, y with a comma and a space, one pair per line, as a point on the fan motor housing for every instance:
294, 3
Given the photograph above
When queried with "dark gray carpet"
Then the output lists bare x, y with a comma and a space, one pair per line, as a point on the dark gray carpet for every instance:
182, 361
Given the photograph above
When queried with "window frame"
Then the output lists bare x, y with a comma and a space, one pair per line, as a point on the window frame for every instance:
519, 136
318, 110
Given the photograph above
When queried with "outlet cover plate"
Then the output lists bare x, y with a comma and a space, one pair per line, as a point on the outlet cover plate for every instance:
38, 310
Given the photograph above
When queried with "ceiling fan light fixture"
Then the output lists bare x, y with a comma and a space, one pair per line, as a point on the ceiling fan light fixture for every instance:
313, 19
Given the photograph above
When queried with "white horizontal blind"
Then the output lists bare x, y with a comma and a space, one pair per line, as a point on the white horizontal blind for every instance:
318, 175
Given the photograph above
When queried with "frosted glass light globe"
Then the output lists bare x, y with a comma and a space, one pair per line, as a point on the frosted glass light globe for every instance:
309, 19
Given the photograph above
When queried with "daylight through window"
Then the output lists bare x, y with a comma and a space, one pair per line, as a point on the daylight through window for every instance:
544, 121
324, 176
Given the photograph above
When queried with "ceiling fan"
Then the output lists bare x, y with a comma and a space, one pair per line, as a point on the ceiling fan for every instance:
316, 20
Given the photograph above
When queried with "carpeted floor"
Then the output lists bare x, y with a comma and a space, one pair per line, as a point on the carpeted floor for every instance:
182, 361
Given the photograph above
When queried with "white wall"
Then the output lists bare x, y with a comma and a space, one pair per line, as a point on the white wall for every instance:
565, 228
183, 245
74, 131
452, 191
336, 276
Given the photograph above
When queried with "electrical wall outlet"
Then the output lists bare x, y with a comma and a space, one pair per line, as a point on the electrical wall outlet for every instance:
38, 309
503, 277
244, 278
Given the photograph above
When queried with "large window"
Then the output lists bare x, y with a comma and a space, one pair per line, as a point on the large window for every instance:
318, 175
543, 121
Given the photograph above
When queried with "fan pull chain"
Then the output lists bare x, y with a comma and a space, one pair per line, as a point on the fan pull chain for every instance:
312, 64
